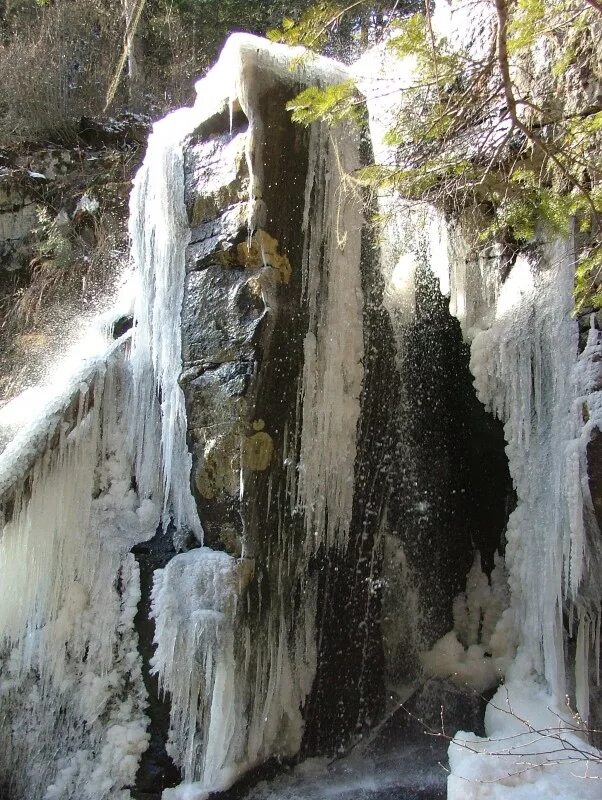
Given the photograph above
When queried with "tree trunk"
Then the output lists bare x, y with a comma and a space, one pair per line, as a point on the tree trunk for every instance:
132, 16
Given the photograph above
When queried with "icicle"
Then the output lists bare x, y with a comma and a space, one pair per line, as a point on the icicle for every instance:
212, 737
333, 347
192, 603
526, 371
160, 232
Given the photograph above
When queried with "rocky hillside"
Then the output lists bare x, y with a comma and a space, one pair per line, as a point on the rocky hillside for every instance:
63, 239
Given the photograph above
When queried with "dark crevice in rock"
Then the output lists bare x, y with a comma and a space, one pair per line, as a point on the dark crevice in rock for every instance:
451, 491
156, 770
594, 470
221, 123
122, 325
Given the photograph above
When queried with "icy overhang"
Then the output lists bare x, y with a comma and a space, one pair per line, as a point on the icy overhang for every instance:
246, 75
251, 65
62, 412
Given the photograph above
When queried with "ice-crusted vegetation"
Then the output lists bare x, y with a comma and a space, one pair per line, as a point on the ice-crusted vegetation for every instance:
535, 748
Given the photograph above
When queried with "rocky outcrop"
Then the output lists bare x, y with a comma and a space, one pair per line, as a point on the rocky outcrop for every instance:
245, 324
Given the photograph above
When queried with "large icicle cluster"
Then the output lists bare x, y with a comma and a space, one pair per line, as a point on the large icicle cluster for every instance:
160, 233
527, 371
583, 562
194, 600
71, 693
233, 704
333, 346
525, 368
524, 358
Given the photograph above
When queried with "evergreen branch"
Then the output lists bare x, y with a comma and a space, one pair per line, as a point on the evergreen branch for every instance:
335, 18
596, 4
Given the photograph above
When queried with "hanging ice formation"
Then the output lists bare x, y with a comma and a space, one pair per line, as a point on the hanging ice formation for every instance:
527, 370
528, 373
159, 231
333, 346
71, 698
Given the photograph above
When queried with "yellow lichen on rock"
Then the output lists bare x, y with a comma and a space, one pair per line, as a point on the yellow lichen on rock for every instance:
226, 258
219, 471
263, 252
258, 448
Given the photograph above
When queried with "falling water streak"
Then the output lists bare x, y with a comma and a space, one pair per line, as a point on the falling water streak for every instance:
333, 347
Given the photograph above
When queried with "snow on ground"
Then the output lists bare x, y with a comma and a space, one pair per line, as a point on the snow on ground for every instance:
534, 750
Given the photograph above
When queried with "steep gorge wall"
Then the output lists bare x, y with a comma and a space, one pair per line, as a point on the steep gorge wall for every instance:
63, 247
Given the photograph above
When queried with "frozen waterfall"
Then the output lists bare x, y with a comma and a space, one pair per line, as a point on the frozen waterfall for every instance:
290, 442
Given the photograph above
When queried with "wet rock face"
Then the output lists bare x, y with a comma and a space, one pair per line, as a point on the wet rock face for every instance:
240, 293
156, 770
453, 491
220, 317
224, 310
244, 322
